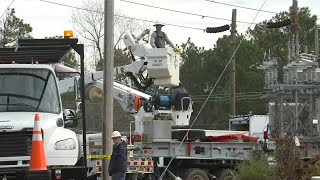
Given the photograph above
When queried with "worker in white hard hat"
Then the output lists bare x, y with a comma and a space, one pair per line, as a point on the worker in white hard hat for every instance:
159, 38
118, 161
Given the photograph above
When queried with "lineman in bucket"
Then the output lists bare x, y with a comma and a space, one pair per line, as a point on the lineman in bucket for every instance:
159, 38
118, 162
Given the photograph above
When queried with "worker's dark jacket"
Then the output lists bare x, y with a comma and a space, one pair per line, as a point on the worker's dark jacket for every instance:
177, 94
118, 162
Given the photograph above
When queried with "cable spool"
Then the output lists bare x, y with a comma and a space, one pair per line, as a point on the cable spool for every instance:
94, 94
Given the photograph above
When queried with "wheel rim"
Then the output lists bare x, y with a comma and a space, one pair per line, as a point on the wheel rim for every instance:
197, 177
230, 177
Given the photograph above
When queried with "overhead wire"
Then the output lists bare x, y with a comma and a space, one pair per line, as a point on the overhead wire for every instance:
182, 12
6, 9
165, 170
75, 7
227, 99
225, 94
243, 7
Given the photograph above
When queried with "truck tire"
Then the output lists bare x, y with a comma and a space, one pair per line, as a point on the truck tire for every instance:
39, 175
132, 177
196, 174
228, 174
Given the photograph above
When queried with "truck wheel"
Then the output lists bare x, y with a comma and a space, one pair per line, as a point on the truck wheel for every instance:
94, 177
132, 176
196, 174
228, 174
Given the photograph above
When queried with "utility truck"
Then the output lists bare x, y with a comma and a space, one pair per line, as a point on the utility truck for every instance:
29, 84
253, 125
161, 131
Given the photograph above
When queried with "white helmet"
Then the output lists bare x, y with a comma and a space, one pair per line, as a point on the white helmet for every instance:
158, 24
115, 134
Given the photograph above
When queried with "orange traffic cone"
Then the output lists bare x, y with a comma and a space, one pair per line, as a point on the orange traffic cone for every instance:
37, 159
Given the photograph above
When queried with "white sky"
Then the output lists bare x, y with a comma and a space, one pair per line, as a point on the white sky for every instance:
50, 20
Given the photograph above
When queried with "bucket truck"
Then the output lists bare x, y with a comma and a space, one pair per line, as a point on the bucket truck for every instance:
154, 138
154, 142
29, 84
162, 68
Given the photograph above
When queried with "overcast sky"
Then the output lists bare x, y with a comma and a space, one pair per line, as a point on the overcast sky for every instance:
49, 19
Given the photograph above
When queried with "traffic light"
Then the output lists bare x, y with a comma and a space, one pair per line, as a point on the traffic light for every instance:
279, 24
217, 29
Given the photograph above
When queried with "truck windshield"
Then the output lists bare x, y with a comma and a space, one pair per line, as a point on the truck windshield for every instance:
28, 90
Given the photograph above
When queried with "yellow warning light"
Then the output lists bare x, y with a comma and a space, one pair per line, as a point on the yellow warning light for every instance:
68, 34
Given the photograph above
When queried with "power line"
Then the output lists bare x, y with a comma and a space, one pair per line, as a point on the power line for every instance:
243, 7
182, 12
188, 27
225, 94
7, 9
226, 99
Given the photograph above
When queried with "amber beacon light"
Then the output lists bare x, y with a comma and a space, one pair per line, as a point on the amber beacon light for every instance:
68, 34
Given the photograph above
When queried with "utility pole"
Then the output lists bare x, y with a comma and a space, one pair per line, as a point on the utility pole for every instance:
107, 86
295, 44
233, 63
295, 27
316, 41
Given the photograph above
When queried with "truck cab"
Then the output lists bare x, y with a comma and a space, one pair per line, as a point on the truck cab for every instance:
25, 90
29, 86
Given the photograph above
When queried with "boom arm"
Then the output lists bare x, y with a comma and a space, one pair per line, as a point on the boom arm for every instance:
129, 98
126, 96
162, 68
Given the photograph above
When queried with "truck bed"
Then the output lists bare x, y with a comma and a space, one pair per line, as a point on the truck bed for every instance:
198, 150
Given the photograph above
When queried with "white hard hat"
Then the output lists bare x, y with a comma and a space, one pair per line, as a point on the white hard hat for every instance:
115, 134
158, 24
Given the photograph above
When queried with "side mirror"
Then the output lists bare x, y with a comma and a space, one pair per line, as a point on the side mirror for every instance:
78, 107
69, 117
77, 89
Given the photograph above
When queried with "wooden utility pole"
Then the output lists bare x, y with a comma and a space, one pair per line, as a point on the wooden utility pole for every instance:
316, 41
107, 125
295, 26
233, 63
295, 45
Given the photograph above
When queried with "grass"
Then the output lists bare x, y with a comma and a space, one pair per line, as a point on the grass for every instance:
255, 169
